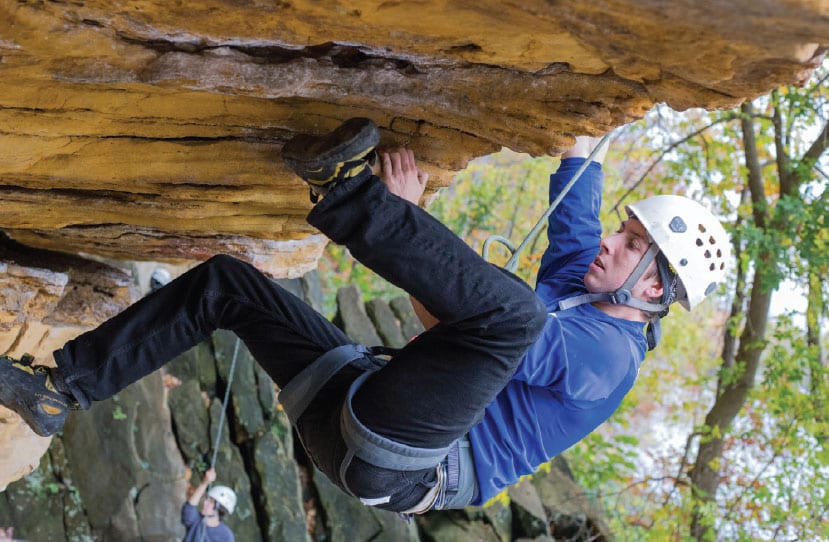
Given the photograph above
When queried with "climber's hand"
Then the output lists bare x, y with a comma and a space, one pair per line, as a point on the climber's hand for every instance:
401, 174
210, 476
584, 146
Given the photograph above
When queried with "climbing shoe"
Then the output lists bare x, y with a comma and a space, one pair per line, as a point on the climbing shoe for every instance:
324, 160
30, 391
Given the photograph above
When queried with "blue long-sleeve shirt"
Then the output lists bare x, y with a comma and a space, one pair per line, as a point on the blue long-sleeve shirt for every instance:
581, 366
197, 531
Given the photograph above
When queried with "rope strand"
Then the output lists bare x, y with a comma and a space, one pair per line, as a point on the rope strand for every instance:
512, 263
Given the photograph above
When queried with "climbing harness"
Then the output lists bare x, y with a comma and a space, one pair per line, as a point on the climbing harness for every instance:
453, 462
512, 263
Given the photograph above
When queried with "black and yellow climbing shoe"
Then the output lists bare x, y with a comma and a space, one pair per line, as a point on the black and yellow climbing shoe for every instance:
324, 160
29, 390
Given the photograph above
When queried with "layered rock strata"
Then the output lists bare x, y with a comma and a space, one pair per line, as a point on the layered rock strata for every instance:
150, 130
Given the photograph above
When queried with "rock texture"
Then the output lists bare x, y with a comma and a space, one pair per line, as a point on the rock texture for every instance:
152, 130
47, 298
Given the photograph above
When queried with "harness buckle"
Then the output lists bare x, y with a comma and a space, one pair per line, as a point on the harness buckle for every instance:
620, 296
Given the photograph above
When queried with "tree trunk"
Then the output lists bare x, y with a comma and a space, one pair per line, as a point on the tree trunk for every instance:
705, 472
814, 313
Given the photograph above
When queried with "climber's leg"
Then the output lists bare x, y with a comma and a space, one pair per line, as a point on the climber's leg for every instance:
438, 386
282, 332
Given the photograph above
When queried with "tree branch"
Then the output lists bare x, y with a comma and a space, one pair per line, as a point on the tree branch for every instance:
818, 147
682, 465
755, 175
665, 152
784, 169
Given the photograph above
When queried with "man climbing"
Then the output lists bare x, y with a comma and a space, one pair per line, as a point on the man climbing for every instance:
207, 526
503, 380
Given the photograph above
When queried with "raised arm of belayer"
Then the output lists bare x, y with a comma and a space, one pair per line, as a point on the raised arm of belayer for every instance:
504, 378
206, 525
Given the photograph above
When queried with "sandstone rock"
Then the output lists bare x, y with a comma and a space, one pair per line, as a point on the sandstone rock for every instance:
47, 298
528, 512
455, 526
245, 405
409, 323
120, 469
76, 523
499, 516
230, 468
312, 291
190, 421
151, 130
352, 318
31, 507
572, 514
125, 460
266, 393
386, 324
279, 495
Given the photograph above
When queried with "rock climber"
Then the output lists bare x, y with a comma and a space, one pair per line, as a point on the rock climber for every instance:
504, 379
207, 525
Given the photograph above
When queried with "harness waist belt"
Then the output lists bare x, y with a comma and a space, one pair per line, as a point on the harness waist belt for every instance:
379, 450
301, 390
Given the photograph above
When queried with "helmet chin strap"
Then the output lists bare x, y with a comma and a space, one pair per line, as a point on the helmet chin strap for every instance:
623, 296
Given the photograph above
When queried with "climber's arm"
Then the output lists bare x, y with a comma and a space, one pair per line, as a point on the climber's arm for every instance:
198, 493
423, 315
405, 179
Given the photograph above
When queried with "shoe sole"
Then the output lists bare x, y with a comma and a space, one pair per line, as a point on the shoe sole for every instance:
338, 147
15, 396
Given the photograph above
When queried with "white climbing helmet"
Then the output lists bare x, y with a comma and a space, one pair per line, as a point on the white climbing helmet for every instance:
692, 240
224, 496
159, 278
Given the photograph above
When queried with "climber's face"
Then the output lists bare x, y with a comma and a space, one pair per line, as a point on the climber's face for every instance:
208, 507
619, 253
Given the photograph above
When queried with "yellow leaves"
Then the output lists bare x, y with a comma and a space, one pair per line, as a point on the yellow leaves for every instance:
715, 464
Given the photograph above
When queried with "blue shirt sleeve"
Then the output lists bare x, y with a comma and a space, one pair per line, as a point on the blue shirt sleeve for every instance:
573, 232
189, 515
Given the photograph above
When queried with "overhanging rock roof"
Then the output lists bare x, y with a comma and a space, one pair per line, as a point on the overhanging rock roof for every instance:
152, 129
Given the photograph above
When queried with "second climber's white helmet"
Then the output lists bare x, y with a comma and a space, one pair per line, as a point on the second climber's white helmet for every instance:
224, 496
692, 240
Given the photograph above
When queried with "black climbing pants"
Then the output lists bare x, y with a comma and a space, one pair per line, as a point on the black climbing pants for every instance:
429, 395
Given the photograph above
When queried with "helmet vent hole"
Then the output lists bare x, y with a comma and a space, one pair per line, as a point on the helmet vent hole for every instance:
699, 242
677, 225
719, 253
707, 253
701, 228
683, 262
712, 241
712, 267
722, 266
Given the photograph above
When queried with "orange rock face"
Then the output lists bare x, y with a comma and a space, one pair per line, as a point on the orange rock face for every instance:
152, 130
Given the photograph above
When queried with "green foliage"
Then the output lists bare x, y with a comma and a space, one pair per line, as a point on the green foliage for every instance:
118, 413
771, 469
